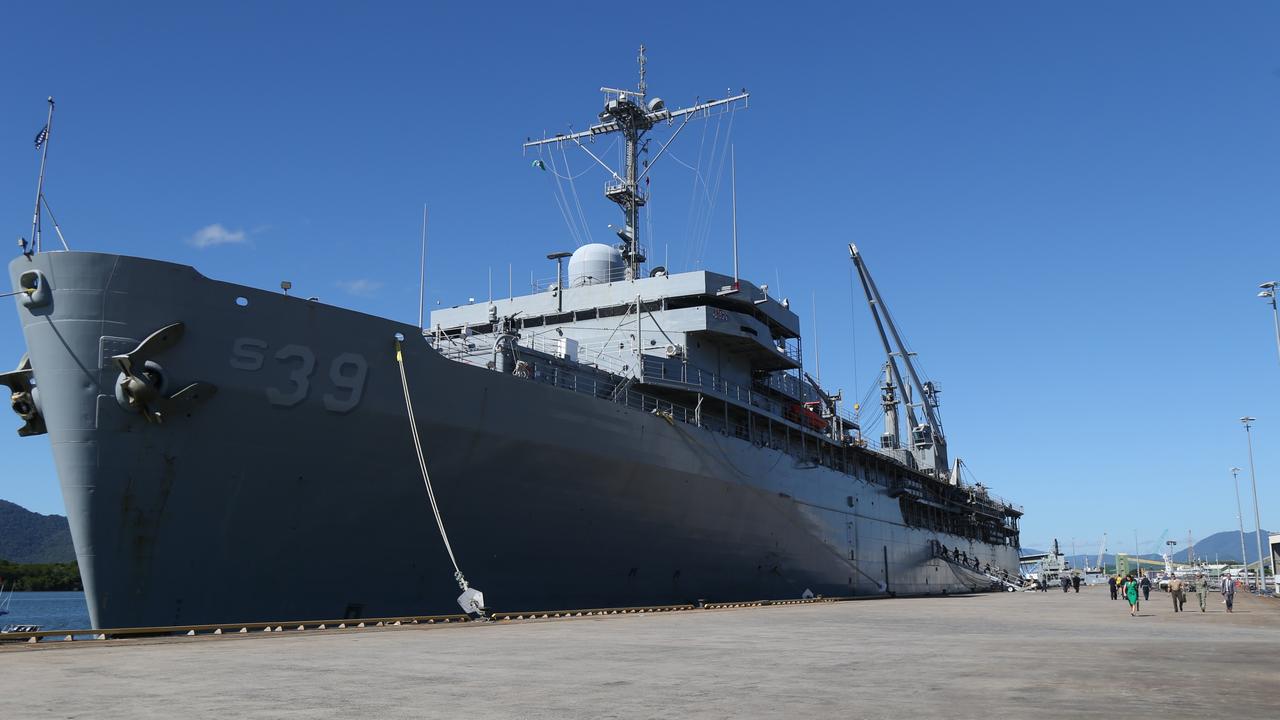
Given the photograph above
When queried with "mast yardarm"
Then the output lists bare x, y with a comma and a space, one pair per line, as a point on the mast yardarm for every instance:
629, 112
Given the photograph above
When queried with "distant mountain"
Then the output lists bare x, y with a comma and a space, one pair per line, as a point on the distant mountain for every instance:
1226, 546
28, 537
1220, 547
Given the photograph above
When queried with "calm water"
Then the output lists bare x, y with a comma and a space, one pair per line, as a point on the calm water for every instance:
51, 610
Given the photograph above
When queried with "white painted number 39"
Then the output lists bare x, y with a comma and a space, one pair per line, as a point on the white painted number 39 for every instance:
347, 373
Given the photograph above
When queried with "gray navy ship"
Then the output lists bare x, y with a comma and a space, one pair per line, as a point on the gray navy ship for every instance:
620, 436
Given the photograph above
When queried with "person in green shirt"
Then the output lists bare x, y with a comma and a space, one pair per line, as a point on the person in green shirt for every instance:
1131, 594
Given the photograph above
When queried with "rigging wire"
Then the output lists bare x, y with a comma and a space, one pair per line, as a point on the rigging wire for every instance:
703, 217
917, 362
693, 193
693, 232
586, 227
719, 180
561, 200
588, 169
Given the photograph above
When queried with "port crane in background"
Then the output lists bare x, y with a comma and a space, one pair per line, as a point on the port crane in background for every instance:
1098, 567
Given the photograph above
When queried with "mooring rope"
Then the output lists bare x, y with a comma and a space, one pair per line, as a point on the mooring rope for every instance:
426, 477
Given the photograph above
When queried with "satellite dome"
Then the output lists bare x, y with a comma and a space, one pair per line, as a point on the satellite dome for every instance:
595, 263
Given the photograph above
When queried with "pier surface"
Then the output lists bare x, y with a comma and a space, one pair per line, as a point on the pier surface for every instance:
997, 655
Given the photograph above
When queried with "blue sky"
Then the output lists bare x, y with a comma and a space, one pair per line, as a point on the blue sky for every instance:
1068, 206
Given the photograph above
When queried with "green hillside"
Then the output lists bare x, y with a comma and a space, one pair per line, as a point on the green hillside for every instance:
28, 537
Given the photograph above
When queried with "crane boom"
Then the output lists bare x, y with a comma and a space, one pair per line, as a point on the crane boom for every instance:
928, 434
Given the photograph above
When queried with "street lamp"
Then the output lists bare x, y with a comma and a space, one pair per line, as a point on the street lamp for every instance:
1269, 293
1257, 521
1235, 472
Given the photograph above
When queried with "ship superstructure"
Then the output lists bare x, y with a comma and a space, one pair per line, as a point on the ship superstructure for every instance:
621, 435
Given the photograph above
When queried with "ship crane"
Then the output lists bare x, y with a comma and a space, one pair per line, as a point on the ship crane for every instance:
629, 113
829, 402
927, 438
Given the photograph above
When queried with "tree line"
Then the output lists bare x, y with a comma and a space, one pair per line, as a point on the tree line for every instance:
40, 576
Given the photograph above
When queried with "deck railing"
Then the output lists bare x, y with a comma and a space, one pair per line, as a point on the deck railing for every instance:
608, 374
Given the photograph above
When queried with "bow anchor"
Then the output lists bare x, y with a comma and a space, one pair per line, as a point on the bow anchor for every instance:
142, 384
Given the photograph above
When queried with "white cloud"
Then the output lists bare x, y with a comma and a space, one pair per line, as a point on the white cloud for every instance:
216, 234
360, 286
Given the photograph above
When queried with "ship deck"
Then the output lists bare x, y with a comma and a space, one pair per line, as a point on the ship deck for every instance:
992, 655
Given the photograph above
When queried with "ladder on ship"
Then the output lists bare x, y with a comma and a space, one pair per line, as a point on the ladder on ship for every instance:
969, 570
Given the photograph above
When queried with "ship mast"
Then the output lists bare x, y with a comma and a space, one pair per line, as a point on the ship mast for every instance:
629, 113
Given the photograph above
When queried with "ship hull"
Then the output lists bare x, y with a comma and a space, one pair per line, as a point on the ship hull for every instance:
294, 492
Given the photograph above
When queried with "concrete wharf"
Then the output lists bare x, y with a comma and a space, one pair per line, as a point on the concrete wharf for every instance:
980, 656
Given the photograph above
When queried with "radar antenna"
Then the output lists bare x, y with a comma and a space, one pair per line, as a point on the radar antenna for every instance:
628, 113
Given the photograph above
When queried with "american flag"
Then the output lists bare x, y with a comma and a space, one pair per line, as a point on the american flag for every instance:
42, 136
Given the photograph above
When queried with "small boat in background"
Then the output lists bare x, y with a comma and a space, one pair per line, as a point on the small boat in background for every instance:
5, 600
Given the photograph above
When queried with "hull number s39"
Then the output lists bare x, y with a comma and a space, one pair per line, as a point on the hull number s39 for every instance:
346, 376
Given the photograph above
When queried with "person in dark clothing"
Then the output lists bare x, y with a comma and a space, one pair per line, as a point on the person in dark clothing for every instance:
1111, 585
1075, 582
1066, 583
955, 553
1146, 587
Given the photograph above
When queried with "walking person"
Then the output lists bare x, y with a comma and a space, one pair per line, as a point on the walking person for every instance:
1146, 587
1228, 591
1130, 588
1066, 583
1202, 590
1111, 585
1075, 582
1175, 591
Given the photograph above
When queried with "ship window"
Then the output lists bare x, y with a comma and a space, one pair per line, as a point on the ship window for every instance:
242, 301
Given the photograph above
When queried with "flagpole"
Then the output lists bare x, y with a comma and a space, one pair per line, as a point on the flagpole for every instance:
44, 154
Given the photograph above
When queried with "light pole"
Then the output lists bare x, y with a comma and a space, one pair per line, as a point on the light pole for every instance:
1235, 472
1269, 293
1257, 522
